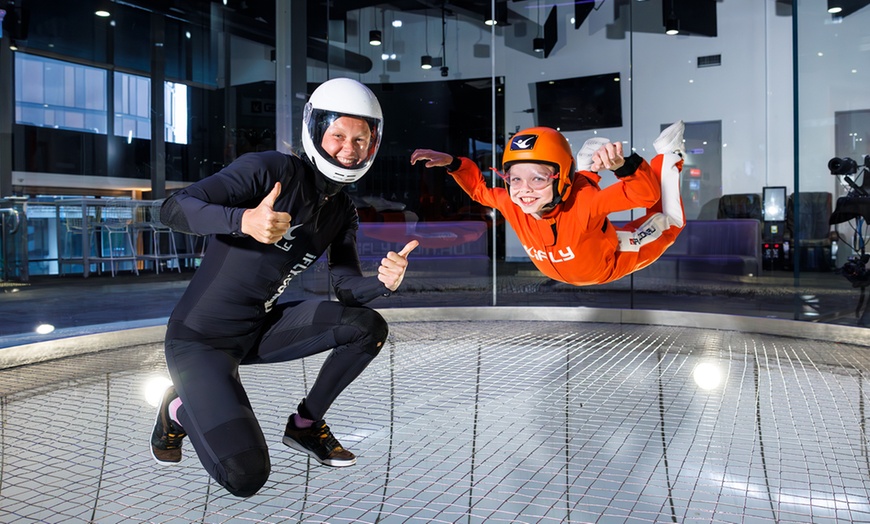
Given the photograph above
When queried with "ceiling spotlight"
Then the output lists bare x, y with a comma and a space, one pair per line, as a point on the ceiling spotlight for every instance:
103, 8
426, 62
375, 37
672, 25
444, 70
500, 16
835, 6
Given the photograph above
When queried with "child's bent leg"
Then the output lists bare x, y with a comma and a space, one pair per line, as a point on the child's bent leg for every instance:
643, 240
668, 167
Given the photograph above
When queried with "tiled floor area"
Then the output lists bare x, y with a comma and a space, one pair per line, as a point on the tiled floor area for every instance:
475, 422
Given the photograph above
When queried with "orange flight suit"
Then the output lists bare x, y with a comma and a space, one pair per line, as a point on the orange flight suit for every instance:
575, 242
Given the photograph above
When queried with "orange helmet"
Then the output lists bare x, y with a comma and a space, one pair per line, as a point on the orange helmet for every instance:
543, 145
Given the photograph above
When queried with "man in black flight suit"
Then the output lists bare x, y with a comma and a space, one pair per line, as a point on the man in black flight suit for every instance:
271, 216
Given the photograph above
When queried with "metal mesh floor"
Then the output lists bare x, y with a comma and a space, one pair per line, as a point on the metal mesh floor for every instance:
476, 422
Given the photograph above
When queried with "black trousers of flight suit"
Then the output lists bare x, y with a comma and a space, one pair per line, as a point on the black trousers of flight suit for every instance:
216, 412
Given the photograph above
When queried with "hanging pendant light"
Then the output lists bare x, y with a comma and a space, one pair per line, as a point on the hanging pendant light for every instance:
444, 69
538, 43
103, 9
672, 24
426, 60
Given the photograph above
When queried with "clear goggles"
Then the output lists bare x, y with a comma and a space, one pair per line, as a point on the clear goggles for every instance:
535, 181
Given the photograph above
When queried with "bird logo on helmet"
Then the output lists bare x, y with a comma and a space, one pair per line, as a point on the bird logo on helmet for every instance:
543, 145
331, 100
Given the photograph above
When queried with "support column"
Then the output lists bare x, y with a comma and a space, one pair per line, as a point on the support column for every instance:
112, 143
7, 115
225, 82
158, 109
291, 78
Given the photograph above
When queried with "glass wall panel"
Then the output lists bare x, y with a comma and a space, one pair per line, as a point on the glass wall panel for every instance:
832, 128
771, 92
455, 106
61, 95
131, 39
568, 69
702, 75
133, 108
66, 29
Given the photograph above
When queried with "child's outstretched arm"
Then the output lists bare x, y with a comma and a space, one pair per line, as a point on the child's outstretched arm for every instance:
464, 171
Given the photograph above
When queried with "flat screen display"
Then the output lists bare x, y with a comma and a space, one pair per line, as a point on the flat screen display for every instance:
577, 104
774, 204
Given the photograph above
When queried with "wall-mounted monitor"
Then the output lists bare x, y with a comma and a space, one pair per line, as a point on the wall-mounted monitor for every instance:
577, 104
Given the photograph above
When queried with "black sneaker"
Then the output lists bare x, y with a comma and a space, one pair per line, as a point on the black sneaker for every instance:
319, 442
167, 436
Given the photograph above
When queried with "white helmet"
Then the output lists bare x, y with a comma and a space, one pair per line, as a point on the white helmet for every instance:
333, 99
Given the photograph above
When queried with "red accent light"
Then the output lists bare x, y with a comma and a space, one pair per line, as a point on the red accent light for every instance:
776, 246
694, 172
766, 246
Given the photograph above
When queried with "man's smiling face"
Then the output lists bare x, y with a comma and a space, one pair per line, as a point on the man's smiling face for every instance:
347, 140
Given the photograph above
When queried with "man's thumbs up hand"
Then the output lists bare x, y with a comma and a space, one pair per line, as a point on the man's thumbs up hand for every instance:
393, 266
263, 223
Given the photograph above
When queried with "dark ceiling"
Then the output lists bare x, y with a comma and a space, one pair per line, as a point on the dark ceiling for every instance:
255, 19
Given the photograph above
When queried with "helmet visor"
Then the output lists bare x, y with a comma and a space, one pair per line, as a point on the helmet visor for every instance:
345, 141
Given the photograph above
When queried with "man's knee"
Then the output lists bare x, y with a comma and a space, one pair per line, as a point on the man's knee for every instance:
246, 472
369, 322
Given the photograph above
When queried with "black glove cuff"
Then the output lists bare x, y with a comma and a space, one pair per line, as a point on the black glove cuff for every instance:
629, 167
454, 165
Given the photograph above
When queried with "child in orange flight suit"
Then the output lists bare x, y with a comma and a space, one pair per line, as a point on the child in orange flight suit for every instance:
560, 215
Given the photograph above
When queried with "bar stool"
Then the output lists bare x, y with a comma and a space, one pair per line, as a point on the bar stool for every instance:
152, 236
70, 249
116, 245
194, 248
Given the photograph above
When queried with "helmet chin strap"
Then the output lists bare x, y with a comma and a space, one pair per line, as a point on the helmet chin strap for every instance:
557, 199
326, 186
